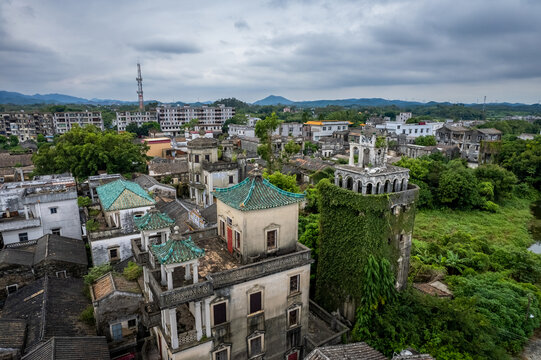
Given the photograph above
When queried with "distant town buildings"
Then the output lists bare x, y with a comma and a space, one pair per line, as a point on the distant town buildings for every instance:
124, 118
64, 121
172, 118
316, 129
467, 139
26, 126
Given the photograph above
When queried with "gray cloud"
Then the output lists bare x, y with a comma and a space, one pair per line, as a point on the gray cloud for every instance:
166, 46
297, 48
241, 25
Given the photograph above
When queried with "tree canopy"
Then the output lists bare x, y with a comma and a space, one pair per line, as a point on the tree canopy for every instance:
263, 130
85, 151
144, 129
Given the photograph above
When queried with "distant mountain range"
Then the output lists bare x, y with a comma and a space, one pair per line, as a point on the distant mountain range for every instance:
7, 97
280, 100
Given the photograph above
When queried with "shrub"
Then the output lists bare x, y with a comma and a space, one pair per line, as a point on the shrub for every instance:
83, 201
87, 316
95, 272
132, 271
490, 206
92, 225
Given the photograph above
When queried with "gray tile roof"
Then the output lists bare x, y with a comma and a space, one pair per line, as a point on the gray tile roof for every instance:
16, 257
51, 307
71, 348
354, 351
60, 248
12, 333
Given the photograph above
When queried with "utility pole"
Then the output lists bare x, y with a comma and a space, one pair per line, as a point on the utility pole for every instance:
140, 88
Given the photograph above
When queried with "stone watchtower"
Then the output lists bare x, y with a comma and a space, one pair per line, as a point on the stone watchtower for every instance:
376, 219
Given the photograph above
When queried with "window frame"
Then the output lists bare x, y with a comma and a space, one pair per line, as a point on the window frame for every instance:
56, 231
298, 290
293, 352
257, 335
227, 349
298, 310
231, 179
22, 236
11, 286
237, 240
53, 210
62, 272
276, 236
216, 303
113, 333
114, 248
261, 302
133, 326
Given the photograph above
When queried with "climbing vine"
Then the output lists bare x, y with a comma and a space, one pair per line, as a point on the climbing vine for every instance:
352, 228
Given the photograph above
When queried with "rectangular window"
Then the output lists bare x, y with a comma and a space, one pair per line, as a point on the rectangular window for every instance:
196, 178
114, 254
207, 157
255, 302
271, 239
206, 179
293, 356
294, 317
237, 240
293, 338
256, 346
229, 221
116, 331
53, 210
221, 355
222, 228
219, 312
231, 179
196, 159
23, 236
132, 323
294, 284
61, 274
12, 288
55, 231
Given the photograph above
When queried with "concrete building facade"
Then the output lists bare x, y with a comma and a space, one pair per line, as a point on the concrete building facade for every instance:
64, 121
172, 118
124, 118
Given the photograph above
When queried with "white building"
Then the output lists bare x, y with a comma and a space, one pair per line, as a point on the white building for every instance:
31, 209
289, 129
403, 117
316, 129
121, 202
171, 118
411, 130
125, 118
241, 130
64, 121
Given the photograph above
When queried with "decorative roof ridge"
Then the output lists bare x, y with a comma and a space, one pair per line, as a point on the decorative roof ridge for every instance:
247, 198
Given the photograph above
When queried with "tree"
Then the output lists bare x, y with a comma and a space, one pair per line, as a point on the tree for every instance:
263, 130
428, 140
190, 125
282, 181
13, 141
458, 188
144, 129
239, 118
85, 151
502, 180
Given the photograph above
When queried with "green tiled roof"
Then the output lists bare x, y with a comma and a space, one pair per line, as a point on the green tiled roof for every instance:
176, 251
122, 194
256, 194
153, 220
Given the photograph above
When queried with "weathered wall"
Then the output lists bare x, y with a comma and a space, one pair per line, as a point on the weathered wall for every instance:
66, 218
99, 248
253, 224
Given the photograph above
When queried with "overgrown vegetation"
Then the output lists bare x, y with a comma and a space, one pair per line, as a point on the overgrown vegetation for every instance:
87, 316
132, 271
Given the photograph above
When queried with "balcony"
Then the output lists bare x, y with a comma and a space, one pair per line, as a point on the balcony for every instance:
141, 257
18, 221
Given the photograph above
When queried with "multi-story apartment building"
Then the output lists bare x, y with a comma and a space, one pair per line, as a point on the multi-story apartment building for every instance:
26, 126
316, 129
46, 205
125, 118
403, 117
171, 118
64, 121
240, 294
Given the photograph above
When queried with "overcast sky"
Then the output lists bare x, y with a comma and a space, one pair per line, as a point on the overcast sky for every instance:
444, 50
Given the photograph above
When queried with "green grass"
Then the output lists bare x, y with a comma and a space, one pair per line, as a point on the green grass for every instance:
508, 226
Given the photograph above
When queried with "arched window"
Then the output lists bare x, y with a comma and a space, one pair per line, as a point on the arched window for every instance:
388, 187
395, 184
349, 183
359, 186
369, 188
403, 185
378, 185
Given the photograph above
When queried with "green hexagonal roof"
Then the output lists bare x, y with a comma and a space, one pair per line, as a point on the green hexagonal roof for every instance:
256, 193
176, 251
153, 220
